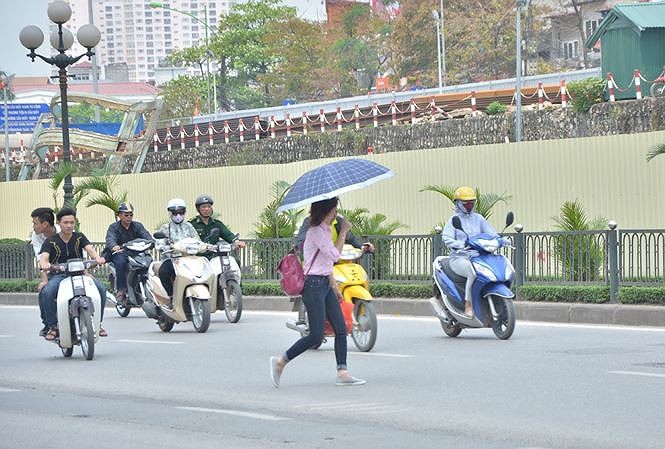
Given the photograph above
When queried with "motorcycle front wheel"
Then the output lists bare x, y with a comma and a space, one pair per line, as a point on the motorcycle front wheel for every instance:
122, 310
450, 329
365, 325
165, 324
87, 334
67, 352
200, 315
504, 325
233, 305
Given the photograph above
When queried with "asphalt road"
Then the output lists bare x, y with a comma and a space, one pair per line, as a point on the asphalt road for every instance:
550, 386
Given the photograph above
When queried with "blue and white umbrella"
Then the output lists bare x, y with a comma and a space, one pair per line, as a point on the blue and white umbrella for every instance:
333, 179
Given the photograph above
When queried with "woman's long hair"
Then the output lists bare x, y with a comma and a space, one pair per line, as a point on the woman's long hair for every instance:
320, 209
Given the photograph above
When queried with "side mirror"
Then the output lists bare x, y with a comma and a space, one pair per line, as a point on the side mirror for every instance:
457, 223
510, 218
159, 235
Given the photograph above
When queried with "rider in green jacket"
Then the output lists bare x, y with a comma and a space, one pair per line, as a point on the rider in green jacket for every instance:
204, 223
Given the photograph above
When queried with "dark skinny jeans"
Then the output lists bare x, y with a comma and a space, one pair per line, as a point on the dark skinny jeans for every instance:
321, 303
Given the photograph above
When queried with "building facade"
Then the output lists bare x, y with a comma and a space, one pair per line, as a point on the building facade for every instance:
140, 36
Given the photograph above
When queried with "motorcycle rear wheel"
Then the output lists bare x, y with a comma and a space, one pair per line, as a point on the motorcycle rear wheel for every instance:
201, 315
365, 325
233, 307
87, 334
504, 325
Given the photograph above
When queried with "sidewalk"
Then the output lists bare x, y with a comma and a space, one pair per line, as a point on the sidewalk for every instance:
627, 315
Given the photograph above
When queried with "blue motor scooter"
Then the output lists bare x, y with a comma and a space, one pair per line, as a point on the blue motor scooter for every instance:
491, 295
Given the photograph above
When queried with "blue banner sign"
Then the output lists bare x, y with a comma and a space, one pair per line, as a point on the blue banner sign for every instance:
22, 117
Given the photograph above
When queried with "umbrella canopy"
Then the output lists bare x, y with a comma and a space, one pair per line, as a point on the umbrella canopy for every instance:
333, 179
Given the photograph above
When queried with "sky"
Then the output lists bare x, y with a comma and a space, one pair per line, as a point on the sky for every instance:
13, 59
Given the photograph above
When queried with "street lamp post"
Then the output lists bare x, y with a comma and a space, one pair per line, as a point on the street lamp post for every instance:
518, 69
437, 20
207, 45
4, 84
88, 36
443, 45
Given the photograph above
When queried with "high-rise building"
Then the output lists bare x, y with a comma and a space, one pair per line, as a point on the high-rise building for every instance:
136, 34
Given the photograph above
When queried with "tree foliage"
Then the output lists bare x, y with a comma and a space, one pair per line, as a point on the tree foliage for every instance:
263, 53
485, 202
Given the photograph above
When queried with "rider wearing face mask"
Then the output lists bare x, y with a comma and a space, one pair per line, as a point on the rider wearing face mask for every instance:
473, 224
175, 230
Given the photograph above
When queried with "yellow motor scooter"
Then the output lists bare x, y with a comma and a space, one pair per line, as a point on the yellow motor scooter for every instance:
357, 307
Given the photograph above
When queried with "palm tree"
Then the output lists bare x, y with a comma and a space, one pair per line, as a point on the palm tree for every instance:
272, 224
484, 202
365, 224
655, 151
63, 170
103, 185
580, 252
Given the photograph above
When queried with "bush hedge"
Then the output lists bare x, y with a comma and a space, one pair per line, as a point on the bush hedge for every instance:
589, 294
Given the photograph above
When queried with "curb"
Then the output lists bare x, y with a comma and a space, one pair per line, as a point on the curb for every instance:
577, 313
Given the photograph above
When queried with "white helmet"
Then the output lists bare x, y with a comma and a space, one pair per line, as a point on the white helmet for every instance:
176, 204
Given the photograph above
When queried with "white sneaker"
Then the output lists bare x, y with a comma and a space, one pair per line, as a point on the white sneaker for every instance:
349, 380
275, 373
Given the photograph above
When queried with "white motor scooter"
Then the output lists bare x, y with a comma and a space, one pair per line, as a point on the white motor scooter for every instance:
227, 275
79, 308
194, 280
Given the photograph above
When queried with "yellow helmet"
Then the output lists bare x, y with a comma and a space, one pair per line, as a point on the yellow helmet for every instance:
464, 193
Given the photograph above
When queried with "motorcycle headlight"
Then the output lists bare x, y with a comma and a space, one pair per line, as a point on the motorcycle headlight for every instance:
192, 249
485, 271
75, 265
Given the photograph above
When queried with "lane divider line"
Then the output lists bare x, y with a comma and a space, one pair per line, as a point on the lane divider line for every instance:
242, 414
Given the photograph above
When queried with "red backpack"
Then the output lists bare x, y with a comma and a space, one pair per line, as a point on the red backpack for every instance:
291, 275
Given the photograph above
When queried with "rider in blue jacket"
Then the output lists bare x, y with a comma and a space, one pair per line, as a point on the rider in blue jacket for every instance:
473, 224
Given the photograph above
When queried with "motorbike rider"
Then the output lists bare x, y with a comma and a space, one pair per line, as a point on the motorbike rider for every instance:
122, 231
175, 230
473, 224
43, 227
66, 244
204, 223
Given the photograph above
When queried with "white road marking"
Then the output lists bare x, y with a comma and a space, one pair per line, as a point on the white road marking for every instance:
351, 407
381, 354
8, 390
613, 327
637, 373
236, 413
151, 342
5, 336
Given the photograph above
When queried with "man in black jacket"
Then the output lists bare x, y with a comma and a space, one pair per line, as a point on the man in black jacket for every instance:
123, 231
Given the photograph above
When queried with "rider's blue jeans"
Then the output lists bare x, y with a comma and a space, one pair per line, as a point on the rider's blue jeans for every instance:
321, 303
49, 294
120, 262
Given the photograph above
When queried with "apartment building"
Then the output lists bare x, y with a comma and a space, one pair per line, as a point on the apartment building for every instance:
140, 36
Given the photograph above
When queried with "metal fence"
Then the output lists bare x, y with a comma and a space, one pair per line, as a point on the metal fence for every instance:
606, 257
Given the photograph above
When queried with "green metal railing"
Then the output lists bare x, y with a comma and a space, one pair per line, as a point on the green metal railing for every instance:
604, 257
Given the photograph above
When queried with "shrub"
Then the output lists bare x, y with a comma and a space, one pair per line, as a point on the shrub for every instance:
595, 294
496, 107
642, 295
585, 93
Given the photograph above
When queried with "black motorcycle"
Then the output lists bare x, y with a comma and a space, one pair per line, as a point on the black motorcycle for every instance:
138, 253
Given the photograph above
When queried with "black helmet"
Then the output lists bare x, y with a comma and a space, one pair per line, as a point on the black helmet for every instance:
125, 207
203, 199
